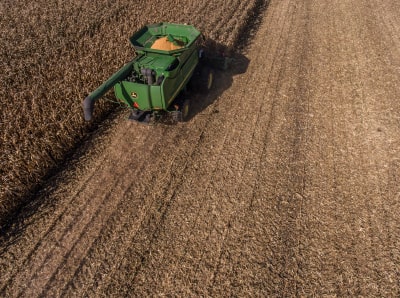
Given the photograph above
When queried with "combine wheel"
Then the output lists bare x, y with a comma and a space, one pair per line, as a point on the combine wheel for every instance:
206, 79
148, 118
202, 80
185, 110
176, 116
136, 115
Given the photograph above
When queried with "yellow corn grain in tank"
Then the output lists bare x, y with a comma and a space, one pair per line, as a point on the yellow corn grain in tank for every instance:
164, 44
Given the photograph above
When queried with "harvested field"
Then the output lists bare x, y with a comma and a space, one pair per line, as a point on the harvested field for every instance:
287, 184
54, 53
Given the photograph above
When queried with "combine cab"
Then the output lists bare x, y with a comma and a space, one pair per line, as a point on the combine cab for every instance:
168, 58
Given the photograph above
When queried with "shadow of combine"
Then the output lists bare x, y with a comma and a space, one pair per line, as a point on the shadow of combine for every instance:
225, 64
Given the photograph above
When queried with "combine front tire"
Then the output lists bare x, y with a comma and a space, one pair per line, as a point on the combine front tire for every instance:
185, 110
176, 116
202, 80
206, 79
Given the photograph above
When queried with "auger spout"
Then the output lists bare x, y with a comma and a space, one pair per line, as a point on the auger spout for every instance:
88, 103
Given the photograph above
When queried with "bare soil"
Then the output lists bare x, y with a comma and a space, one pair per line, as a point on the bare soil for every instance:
286, 184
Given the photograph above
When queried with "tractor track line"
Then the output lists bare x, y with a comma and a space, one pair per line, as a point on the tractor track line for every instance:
272, 111
113, 215
100, 208
148, 189
149, 186
250, 78
257, 124
56, 222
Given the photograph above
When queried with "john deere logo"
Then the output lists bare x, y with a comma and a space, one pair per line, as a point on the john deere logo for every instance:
134, 95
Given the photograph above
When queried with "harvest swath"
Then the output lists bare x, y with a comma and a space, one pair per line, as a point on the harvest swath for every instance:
52, 53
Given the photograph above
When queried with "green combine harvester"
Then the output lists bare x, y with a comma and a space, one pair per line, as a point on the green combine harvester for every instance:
169, 58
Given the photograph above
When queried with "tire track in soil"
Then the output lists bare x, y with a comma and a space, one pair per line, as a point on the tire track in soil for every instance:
59, 276
285, 208
47, 232
85, 208
158, 246
61, 265
260, 122
364, 181
130, 228
373, 159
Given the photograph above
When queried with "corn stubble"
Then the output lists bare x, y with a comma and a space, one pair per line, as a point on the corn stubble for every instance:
53, 53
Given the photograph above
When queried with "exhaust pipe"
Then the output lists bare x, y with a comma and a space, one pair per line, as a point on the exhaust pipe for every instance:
88, 106
149, 74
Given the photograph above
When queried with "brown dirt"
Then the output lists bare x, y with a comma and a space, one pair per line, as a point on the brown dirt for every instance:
287, 185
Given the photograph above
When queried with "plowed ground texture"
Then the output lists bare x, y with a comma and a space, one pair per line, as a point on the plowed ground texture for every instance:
54, 53
285, 185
